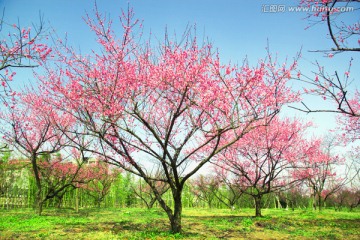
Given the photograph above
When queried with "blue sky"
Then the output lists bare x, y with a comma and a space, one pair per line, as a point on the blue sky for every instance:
237, 28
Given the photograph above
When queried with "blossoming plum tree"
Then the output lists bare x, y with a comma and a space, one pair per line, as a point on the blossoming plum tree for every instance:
174, 107
58, 175
30, 129
320, 171
262, 161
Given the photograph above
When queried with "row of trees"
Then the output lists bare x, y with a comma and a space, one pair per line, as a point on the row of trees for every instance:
57, 178
216, 192
164, 114
64, 189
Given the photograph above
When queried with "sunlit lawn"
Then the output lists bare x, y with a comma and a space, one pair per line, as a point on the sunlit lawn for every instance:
136, 223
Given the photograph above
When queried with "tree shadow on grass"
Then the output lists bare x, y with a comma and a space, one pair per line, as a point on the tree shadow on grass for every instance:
159, 228
226, 227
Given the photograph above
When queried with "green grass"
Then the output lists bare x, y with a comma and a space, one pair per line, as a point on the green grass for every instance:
135, 223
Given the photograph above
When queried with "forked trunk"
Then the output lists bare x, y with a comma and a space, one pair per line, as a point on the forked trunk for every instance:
151, 203
174, 216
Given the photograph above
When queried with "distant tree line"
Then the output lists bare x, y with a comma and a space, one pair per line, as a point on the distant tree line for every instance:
107, 188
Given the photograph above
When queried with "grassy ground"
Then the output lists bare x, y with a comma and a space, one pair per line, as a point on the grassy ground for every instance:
197, 224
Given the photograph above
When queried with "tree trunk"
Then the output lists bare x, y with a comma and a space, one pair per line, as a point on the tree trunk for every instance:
319, 202
39, 206
175, 219
257, 199
174, 216
314, 202
77, 200
38, 203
